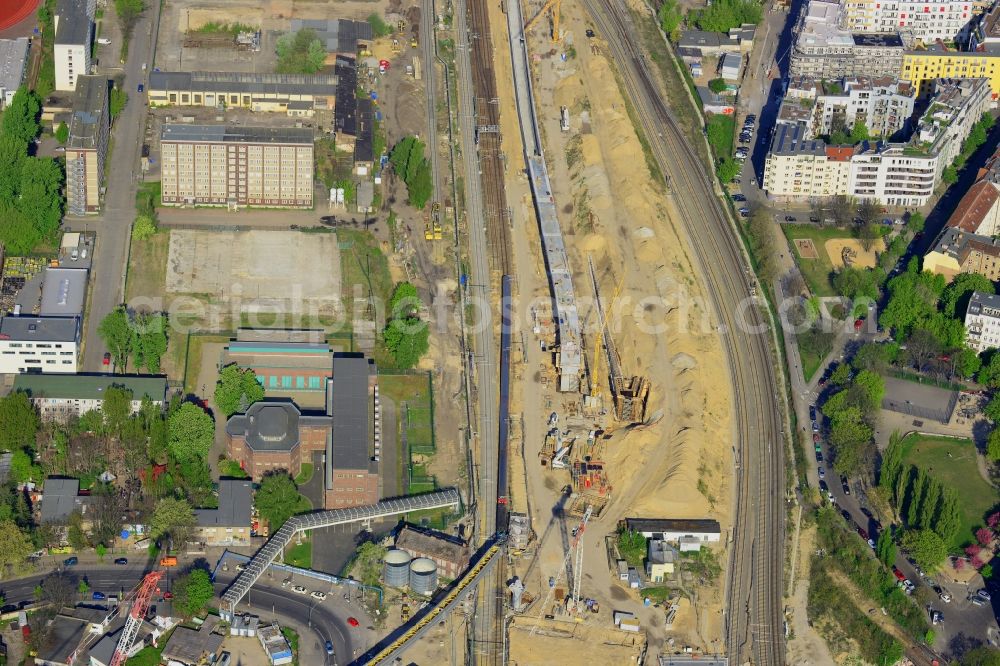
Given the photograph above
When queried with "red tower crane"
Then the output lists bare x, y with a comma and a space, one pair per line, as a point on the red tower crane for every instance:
140, 604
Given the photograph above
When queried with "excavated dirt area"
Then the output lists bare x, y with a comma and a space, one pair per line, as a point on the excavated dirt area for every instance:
613, 211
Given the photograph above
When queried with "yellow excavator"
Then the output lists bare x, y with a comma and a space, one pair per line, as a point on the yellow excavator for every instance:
554, 5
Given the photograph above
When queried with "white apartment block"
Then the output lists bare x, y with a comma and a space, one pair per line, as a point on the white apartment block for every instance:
884, 105
236, 166
824, 49
799, 167
61, 397
917, 20
982, 322
39, 344
87, 147
74, 25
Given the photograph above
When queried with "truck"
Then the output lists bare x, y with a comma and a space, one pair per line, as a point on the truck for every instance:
564, 118
168, 561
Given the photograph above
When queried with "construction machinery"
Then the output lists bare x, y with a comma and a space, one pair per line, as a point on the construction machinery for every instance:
140, 605
555, 6
630, 394
576, 552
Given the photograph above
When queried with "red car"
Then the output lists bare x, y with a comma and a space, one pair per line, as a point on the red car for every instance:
351, 621
168, 595
107, 358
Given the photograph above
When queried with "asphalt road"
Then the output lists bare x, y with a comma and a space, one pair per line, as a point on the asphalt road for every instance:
113, 225
754, 597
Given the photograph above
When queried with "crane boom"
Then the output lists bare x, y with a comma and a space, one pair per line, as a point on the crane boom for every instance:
575, 549
554, 5
140, 604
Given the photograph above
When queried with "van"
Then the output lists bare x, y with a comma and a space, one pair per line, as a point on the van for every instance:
168, 561
103, 41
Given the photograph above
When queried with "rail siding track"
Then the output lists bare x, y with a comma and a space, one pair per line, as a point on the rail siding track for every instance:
754, 628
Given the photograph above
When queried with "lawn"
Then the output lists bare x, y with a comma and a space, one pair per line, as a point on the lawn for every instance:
363, 264
415, 392
147, 267
192, 365
232, 469
149, 655
817, 272
957, 470
300, 555
810, 363
304, 474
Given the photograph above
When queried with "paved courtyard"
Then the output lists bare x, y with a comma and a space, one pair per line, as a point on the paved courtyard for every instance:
258, 270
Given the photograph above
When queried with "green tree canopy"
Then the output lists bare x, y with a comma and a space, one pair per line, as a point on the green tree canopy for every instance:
981, 656
20, 118
62, 133
669, 16
144, 227
926, 548
15, 546
722, 15
19, 422
237, 389
954, 299
277, 500
300, 53
193, 591
151, 340
119, 335
404, 301
173, 518
407, 340
409, 163
885, 548
915, 222
191, 433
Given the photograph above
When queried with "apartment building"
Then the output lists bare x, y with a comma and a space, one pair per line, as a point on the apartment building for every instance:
236, 166
956, 251
895, 174
883, 104
39, 344
823, 49
299, 95
230, 523
61, 397
982, 322
986, 32
916, 20
74, 22
13, 65
87, 147
923, 66
801, 167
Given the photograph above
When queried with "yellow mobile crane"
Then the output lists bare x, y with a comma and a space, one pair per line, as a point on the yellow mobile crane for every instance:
554, 5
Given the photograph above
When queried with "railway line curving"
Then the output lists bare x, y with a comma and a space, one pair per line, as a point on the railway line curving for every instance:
754, 628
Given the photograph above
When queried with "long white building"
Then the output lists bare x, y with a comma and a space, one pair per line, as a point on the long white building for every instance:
800, 167
39, 344
982, 322
917, 20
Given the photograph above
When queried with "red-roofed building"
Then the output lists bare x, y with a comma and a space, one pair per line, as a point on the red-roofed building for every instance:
979, 210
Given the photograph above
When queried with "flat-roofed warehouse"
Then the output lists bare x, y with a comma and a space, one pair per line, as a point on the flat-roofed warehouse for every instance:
236, 166
293, 94
339, 36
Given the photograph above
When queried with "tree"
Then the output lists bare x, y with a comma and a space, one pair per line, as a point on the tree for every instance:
727, 169
989, 374
981, 656
885, 548
101, 551
191, 433
868, 211
144, 227
277, 500
23, 468
841, 375
993, 445
926, 548
172, 518
717, 85
62, 133
761, 234
992, 409
20, 118
859, 132
151, 340
40, 197
19, 422
872, 356
379, 27
15, 546
867, 235
669, 16
83, 588
948, 518
921, 348
13, 153
300, 53
915, 222
75, 534
842, 208
116, 410
119, 335
368, 562
950, 175
856, 283
404, 302
407, 340
407, 158
237, 389
967, 362
118, 100
722, 15
128, 11
954, 298
193, 591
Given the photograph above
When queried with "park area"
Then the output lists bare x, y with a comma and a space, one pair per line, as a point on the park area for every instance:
954, 462
819, 251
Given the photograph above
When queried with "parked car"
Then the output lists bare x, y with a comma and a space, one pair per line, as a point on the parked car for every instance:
106, 361
298, 589
815, 426
71, 561
121, 561
98, 596
846, 514
735, 181
977, 601
320, 596
168, 595
983, 594
739, 197
937, 617
815, 438
822, 472
744, 209
871, 544
812, 412
846, 487
862, 534
141, 87
819, 456
328, 645
353, 622
790, 218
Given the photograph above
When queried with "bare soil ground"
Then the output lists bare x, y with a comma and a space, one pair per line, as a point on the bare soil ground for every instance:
805, 646
861, 258
612, 211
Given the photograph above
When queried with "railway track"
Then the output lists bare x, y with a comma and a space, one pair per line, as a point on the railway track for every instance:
754, 627
491, 162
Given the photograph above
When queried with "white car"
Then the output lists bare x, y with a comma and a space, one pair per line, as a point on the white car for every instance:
320, 596
298, 589
945, 597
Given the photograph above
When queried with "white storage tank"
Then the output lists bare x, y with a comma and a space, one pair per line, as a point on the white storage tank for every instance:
397, 568
423, 576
